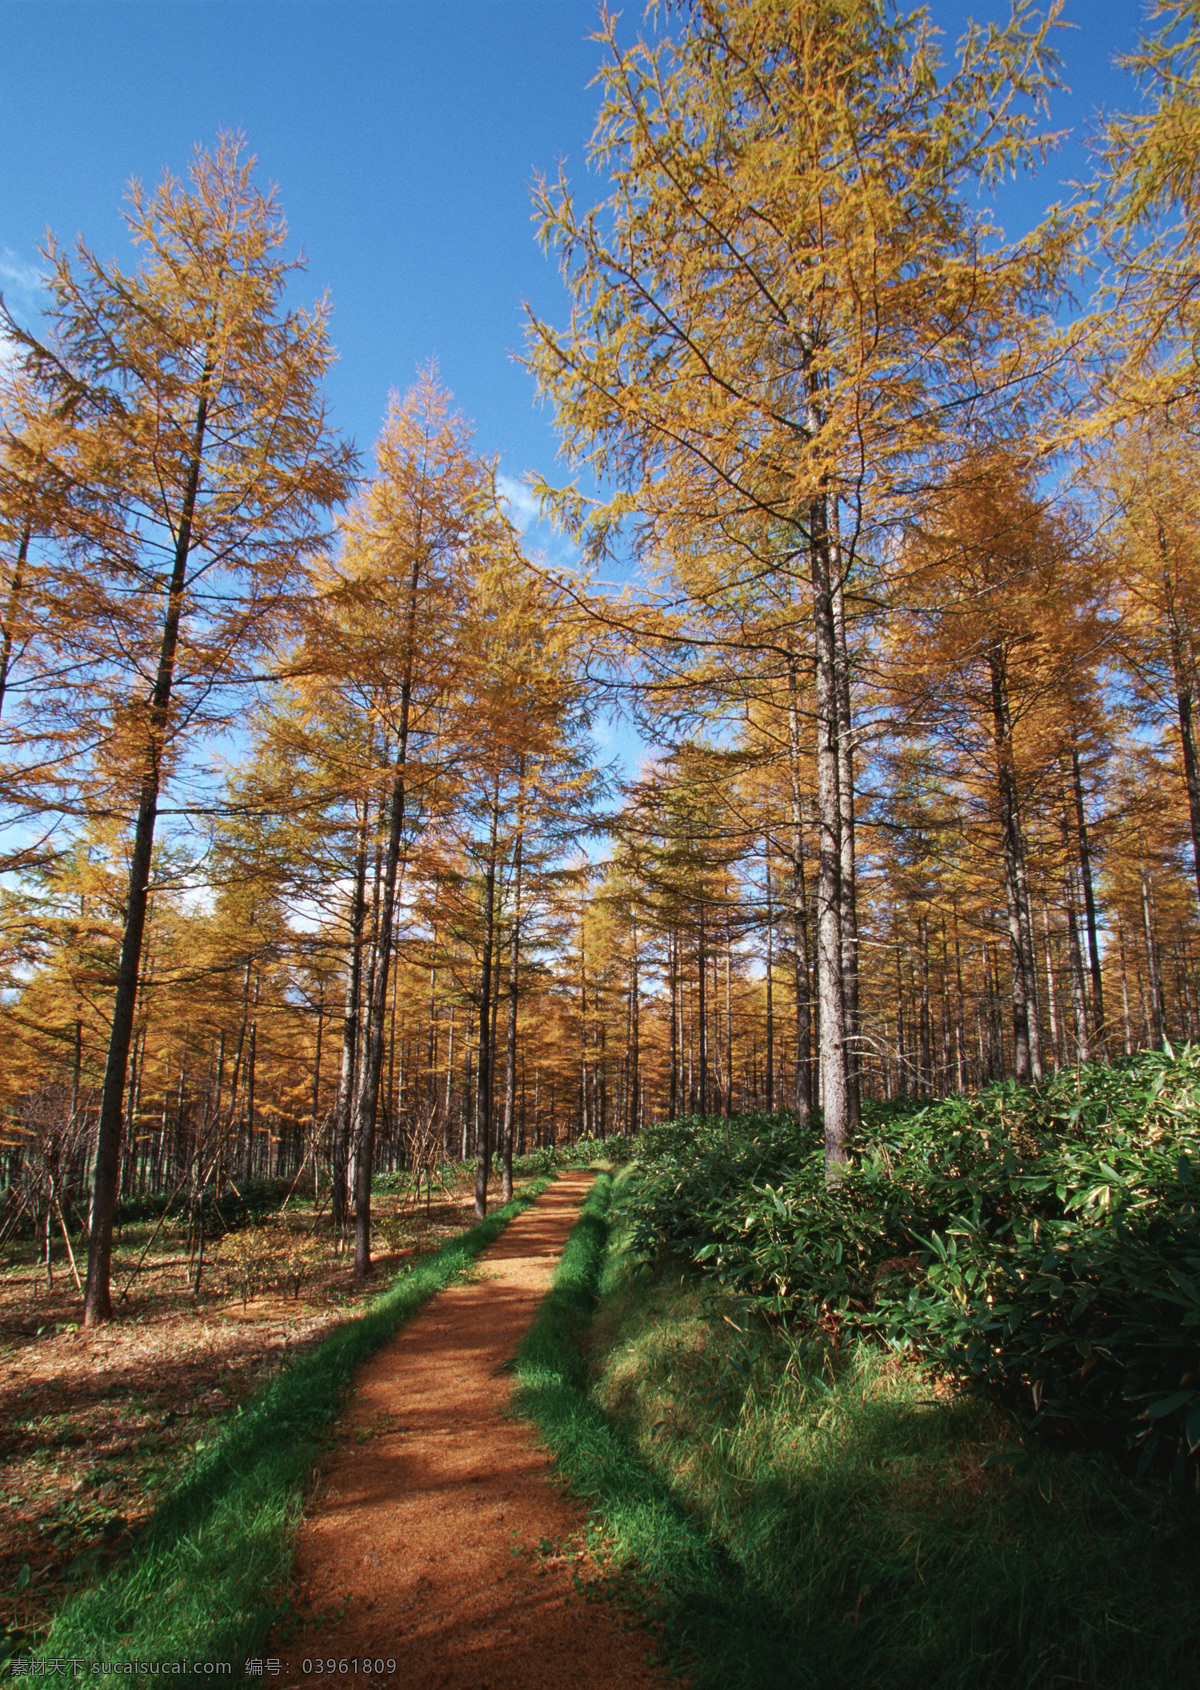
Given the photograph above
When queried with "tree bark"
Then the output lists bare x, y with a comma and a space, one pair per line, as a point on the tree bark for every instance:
16, 586
830, 977
848, 905
483, 1073
1157, 1017
366, 1092
1012, 847
339, 1192
673, 993
510, 1052
1089, 906
802, 1093
97, 1296
635, 1032
702, 1011
1183, 672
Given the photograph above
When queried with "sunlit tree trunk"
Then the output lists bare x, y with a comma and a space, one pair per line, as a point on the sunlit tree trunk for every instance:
635, 1019
483, 1072
1155, 1015
343, 1123
1089, 905
1012, 847
802, 1097
1183, 670
848, 904
769, 1076
830, 977
510, 1054
366, 1091
1056, 1043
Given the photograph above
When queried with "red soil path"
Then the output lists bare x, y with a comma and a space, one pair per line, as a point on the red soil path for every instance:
423, 1544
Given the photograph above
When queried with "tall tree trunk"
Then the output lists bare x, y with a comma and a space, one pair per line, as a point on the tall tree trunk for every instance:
16, 587
673, 992
1029, 952
702, 1011
431, 1045
1156, 1014
848, 905
340, 1191
1056, 1042
635, 1033
924, 1029
769, 1077
830, 990
448, 1092
728, 1019
960, 1030
250, 1074
1183, 670
316, 1091
1124, 991
510, 1052
97, 1296
802, 1096
366, 1092
1075, 968
583, 1014
1012, 847
483, 1073
1089, 905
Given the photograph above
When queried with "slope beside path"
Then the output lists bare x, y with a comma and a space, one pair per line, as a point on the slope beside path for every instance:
424, 1545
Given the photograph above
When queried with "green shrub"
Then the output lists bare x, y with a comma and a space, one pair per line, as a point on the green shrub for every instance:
1042, 1241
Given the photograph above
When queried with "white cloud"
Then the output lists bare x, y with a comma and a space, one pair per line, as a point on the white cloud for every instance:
21, 285
523, 509
17, 275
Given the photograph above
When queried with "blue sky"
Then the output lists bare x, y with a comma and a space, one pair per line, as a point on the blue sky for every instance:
403, 136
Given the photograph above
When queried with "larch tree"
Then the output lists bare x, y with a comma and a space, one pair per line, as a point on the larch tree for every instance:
993, 622
1155, 555
526, 716
1148, 204
785, 305
191, 421
389, 632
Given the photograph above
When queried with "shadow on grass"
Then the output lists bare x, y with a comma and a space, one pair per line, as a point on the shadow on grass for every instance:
789, 1523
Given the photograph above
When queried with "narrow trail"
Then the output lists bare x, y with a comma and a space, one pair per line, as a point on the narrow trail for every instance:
423, 1543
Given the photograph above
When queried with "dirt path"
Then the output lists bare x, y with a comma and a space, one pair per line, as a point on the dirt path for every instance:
423, 1545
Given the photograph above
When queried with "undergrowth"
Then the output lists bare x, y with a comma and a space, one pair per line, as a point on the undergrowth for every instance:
798, 1513
204, 1579
1042, 1242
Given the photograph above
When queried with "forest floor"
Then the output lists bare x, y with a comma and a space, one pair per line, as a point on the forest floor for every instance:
95, 1427
434, 1554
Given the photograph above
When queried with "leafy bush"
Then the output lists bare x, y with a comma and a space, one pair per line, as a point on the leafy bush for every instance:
1043, 1241
276, 1254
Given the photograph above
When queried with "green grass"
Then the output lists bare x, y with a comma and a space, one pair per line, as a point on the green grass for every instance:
795, 1515
204, 1580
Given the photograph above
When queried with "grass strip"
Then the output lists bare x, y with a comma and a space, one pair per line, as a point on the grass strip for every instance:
673, 1570
203, 1580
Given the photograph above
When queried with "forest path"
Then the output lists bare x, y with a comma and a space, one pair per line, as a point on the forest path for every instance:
422, 1545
